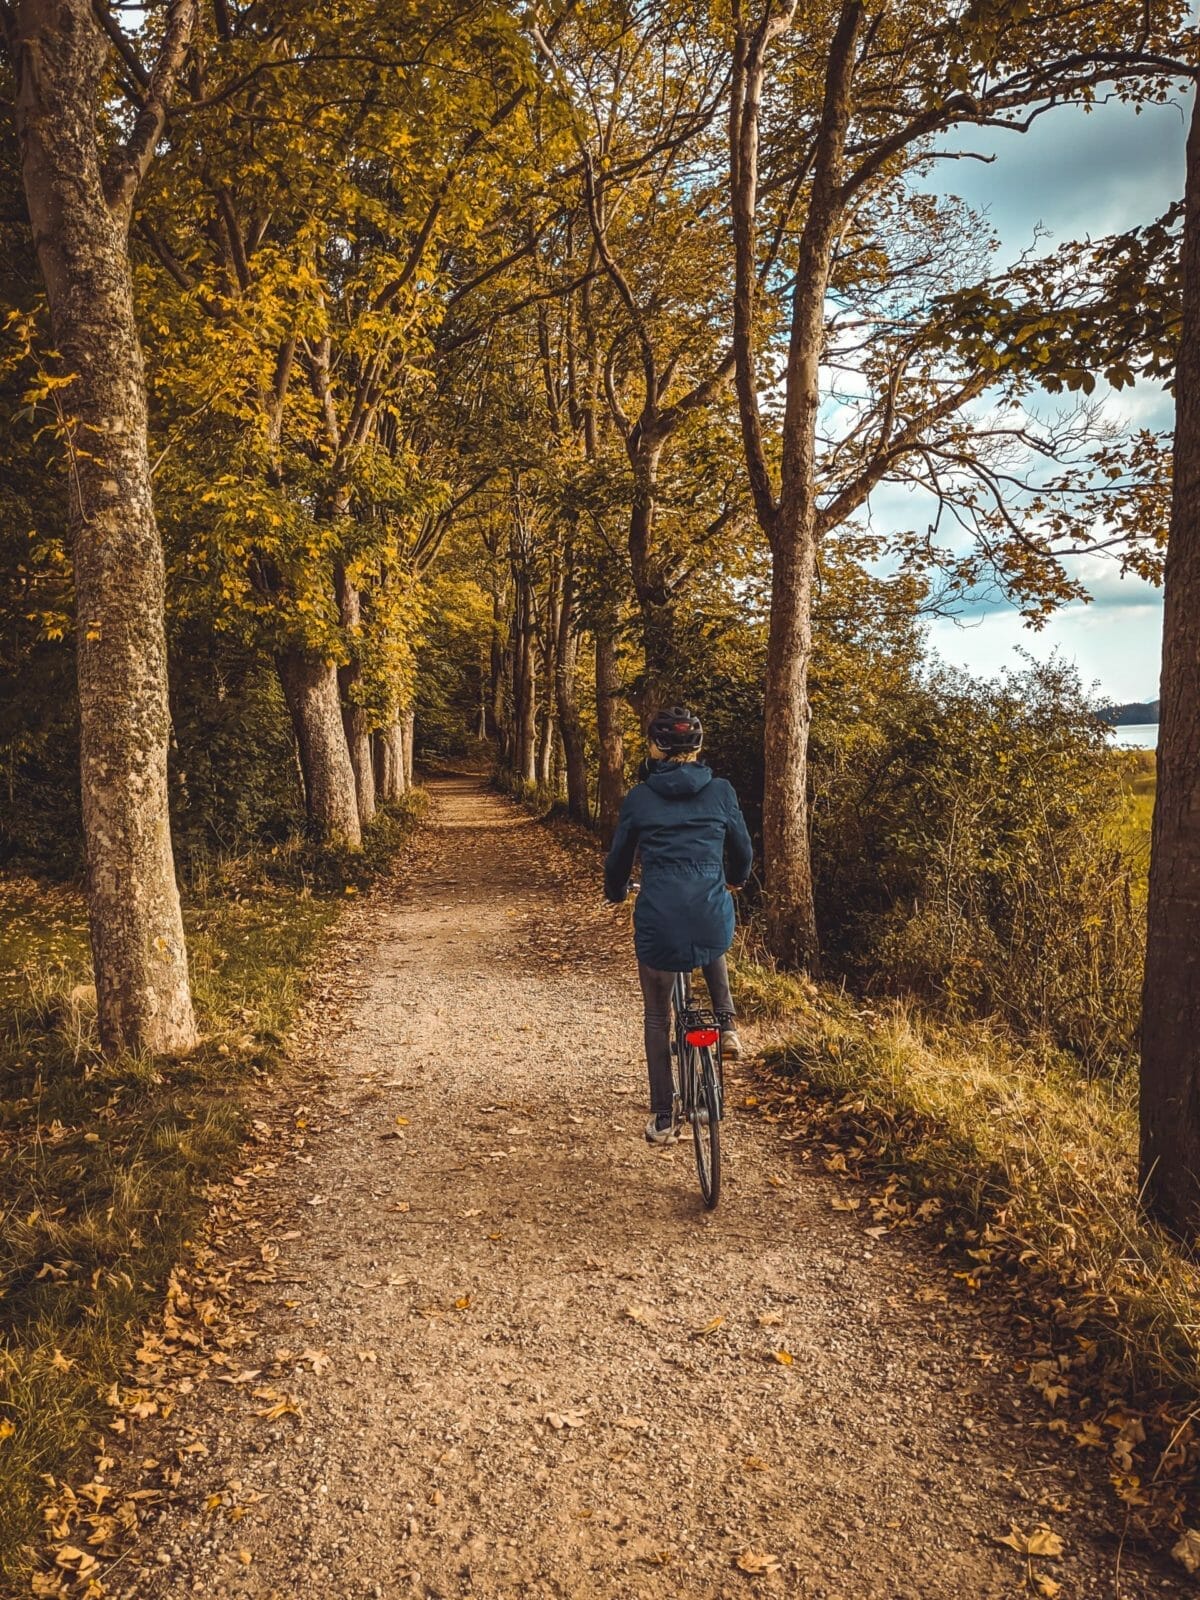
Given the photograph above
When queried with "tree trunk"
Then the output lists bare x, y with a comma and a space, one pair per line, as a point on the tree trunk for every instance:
655, 686
567, 705
660, 680
499, 726
408, 728
790, 912
389, 763
789, 907
545, 749
610, 779
524, 688
1170, 1076
80, 233
547, 647
356, 721
356, 725
310, 687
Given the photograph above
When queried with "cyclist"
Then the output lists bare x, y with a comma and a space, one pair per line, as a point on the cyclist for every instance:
686, 823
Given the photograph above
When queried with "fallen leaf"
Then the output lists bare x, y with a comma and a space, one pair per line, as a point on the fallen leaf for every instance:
754, 1464
285, 1406
757, 1564
7, 1429
637, 1314
785, 1358
769, 1319
1187, 1550
1047, 1587
566, 1419
1041, 1542
709, 1327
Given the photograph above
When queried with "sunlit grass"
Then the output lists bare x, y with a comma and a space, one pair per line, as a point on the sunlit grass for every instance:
1012, 1139
102, 1165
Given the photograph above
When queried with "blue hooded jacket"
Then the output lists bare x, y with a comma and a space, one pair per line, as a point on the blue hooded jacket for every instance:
684, 821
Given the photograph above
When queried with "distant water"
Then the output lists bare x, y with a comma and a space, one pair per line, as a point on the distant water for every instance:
1136, 736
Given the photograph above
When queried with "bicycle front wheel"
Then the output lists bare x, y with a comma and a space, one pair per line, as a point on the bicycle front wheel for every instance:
706, 1125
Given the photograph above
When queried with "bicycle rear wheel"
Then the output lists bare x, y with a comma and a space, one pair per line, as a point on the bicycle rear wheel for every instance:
706, 1124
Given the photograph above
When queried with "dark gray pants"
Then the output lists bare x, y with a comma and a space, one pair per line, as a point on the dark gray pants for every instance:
656, 993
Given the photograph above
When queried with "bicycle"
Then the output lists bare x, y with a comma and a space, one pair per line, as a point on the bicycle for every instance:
698, 1073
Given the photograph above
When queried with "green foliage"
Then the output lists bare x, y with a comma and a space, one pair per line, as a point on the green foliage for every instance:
976, 844
233, 772
978, 860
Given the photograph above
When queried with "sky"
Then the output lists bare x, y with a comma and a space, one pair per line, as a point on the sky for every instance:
1074, 174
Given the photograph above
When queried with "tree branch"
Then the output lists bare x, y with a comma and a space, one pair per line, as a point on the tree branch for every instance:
129, 167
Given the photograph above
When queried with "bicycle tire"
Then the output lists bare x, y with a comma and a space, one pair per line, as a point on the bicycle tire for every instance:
706, 1129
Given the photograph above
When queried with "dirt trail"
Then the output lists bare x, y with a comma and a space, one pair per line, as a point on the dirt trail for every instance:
512, 1397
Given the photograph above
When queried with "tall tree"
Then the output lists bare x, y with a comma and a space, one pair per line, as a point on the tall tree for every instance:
1170, 1080
80, 188
889, 80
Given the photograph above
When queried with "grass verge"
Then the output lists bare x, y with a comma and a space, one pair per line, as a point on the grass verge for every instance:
103, 1164
1029, 1171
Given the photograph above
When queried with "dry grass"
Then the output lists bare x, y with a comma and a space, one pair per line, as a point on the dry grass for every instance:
103, 1165
1027, 1158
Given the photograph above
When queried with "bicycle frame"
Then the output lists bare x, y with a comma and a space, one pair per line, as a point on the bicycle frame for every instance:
699, 1081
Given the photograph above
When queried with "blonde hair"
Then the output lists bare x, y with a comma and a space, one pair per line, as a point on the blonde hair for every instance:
680, 756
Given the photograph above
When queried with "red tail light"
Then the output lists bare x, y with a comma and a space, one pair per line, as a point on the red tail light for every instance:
704, 1037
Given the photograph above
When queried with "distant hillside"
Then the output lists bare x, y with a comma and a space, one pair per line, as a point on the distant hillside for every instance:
1124, 716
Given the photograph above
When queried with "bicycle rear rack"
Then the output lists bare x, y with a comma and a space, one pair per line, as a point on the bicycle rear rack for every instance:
701, 1028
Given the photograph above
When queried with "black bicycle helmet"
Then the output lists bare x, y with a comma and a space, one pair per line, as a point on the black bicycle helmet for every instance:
676, 730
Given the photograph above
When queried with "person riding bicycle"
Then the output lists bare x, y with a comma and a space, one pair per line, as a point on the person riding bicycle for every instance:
687, 825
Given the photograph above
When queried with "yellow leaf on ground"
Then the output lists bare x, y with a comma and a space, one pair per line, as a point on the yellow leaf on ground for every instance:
709, 1327
1044, 1543
757, 1564
785, 1358
1041, 1542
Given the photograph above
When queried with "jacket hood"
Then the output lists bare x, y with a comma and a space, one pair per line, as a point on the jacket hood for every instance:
675, 780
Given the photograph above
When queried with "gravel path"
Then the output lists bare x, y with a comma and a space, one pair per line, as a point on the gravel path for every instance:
495, 1310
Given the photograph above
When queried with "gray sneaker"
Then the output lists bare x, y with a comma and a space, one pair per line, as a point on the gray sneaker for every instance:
662, 1129
731, 1045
